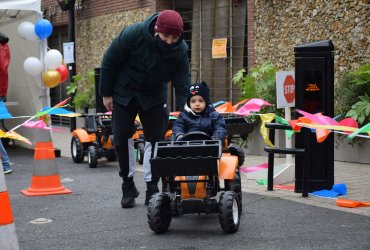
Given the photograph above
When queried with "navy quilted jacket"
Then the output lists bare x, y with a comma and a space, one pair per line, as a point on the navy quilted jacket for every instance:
133, 67
210, 122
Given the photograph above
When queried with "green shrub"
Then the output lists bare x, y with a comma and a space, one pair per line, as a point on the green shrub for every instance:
82, 88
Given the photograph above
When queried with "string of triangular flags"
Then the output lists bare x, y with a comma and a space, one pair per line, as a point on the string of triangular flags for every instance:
58, 109
321, 124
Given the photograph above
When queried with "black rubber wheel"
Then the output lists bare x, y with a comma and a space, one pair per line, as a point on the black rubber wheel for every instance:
229, 212
236, 186
140, 153
92, 157
111, 154
77, 150
239, 153
159, 213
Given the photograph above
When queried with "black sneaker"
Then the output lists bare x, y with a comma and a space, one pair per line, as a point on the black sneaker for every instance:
152, 188
129, 193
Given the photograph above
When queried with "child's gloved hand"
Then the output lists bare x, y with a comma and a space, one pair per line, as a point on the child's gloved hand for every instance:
179, 137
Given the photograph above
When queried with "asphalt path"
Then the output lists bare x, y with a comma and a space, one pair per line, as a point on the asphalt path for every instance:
92, 218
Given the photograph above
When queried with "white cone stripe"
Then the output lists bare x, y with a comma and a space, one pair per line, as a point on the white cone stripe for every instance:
2, 180
45, 168
8, 238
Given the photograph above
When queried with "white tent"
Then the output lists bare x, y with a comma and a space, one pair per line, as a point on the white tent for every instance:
26, 94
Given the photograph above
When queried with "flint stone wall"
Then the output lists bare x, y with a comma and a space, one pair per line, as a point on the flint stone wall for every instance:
282, 24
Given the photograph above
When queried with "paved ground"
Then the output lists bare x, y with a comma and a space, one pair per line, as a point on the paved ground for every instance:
91, 217
355, 176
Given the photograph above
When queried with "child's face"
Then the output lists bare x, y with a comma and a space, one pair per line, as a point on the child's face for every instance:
197, 103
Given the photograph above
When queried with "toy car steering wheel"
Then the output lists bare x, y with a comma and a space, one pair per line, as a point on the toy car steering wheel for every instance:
196, 135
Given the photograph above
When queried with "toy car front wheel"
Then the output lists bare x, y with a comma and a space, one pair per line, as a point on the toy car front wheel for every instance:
159, 213
92, 157
229, 212
77, 150
236, 186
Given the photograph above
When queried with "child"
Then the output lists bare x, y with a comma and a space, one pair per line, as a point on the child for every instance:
199, 115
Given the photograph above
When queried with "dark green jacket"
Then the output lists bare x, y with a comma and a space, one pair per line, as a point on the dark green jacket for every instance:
134, 67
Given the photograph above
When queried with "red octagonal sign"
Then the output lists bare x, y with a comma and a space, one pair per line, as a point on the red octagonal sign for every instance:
289, 89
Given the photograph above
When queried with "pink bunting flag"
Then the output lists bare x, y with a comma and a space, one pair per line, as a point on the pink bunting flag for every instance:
39, 124
253, 168
253, 105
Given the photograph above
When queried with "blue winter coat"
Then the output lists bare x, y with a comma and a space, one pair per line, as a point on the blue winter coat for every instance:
210, 122
134, 67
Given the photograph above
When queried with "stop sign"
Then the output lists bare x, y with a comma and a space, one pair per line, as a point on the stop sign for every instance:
289, 89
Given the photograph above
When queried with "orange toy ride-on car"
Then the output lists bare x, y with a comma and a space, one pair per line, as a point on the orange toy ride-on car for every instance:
194, 169
94, 140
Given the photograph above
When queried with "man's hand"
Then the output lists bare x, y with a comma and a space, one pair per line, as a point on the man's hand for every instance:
108, 102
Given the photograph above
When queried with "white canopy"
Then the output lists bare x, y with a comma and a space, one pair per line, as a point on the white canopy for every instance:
26, 94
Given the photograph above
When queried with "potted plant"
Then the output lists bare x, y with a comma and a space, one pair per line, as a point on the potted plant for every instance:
260, 83
66, 4
82, 88
351, 99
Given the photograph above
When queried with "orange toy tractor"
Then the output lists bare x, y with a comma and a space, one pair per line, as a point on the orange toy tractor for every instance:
194, 170
94, 140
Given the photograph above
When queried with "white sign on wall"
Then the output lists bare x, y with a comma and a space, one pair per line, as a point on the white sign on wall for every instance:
285, 89
68, 55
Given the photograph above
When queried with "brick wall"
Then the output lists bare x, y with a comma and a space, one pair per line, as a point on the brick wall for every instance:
280, 25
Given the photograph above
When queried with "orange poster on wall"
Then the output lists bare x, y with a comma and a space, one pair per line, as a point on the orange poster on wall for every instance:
219, 48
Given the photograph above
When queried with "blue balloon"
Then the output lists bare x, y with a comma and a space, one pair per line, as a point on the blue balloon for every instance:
43, 28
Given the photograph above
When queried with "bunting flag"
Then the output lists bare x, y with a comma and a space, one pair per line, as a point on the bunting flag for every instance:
39, 124
266, 118
364, 129
14, 136
322, 124
4, 113
253, 105
282, 121
60, 112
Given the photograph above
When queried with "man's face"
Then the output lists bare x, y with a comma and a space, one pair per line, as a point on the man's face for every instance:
169, 39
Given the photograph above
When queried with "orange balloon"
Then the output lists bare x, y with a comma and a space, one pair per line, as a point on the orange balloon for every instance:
51, 78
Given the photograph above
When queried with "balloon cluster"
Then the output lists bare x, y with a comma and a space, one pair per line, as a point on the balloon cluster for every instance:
56, 72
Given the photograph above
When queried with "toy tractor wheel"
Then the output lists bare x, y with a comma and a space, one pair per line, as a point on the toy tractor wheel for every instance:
77, 150
92, 157
235, 186
111, 155
140, 153
229, 212
239, 153
159, 213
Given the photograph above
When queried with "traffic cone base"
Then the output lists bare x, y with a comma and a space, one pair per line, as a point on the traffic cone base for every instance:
5, 209
45, 185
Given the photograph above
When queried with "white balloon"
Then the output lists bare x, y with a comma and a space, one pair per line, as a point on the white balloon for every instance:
53, 59
27, 31
32, 66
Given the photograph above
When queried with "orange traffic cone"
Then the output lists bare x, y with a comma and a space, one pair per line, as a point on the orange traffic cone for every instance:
45, 178
8, 237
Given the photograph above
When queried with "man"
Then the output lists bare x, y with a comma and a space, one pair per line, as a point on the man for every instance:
135, 72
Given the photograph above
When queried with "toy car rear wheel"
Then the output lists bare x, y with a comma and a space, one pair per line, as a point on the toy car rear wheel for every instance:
229, 212
239, 153
92, 157
77, 150
159, 213
111, 155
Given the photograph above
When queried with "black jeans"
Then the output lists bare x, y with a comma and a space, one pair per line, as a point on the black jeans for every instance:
154, 122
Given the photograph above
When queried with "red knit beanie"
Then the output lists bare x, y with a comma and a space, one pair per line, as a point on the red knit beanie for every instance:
169, 22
